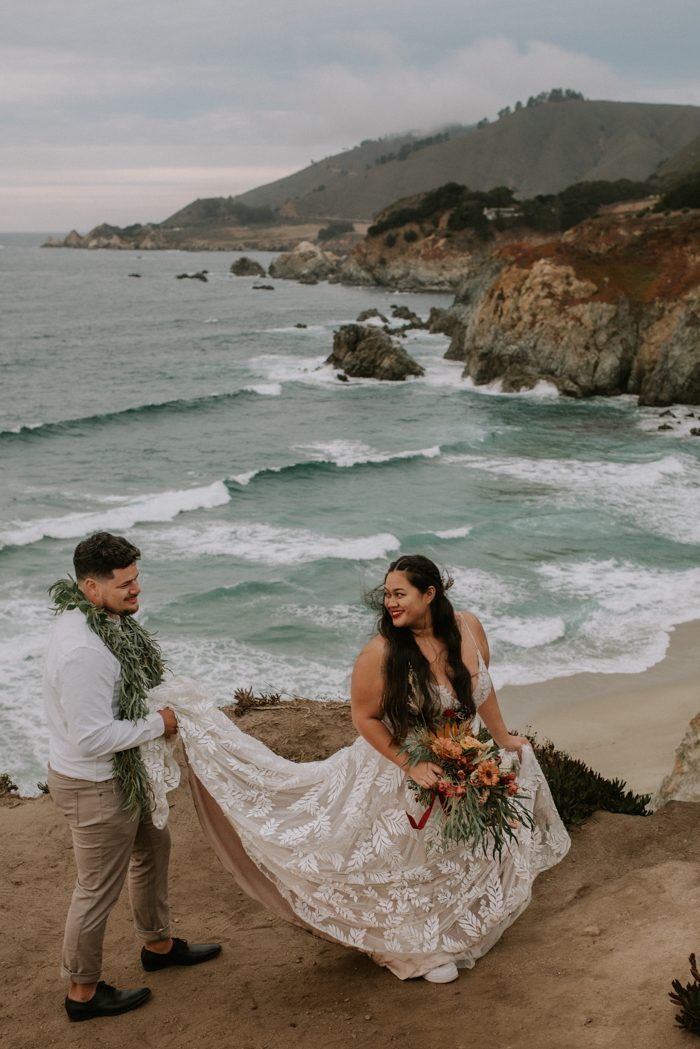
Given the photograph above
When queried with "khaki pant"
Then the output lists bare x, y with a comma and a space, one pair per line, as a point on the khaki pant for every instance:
107, 844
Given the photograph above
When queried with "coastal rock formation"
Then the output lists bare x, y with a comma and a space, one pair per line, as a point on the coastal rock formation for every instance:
131, 238
683, 782
245, 267
429, 264
306, 263
365, 352
612, 307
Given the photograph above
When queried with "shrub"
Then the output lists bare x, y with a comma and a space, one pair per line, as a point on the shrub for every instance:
685, 194
688, 999
410, 236
335, 229
7, 786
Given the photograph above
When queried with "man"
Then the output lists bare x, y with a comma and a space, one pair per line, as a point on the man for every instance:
96, 777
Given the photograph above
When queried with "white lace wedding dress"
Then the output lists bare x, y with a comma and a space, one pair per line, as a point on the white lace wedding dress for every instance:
328, 845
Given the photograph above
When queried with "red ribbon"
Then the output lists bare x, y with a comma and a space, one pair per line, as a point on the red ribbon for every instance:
424, 818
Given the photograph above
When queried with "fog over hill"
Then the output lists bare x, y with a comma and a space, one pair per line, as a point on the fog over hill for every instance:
539, 149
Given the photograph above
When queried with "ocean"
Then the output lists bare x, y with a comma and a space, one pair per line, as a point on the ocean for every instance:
268, 498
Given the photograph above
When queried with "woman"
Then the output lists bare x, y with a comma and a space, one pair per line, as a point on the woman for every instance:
328, 844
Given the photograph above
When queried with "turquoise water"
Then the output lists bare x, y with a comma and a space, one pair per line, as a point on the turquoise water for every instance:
267, 497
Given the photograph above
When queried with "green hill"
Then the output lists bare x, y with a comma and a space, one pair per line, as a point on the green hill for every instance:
534, 150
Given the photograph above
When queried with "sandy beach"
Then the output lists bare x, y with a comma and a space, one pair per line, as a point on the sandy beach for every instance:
625, 726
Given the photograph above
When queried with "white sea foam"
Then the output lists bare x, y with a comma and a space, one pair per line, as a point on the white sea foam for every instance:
354, 453
225, 665
251, 541
276, 367
679, 418
158, 506
629, 613
334, 616
660, 495
341, 453
536, 632
542, 390
25, 622
454, 533
475, 589
265, 389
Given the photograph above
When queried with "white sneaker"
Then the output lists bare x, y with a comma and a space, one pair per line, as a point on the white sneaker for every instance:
442, 973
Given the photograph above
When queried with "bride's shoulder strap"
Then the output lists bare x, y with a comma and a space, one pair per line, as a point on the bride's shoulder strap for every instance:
462, 618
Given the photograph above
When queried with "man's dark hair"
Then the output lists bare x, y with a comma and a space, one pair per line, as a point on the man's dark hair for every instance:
101, 553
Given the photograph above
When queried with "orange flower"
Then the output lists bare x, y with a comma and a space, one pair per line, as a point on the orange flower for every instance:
446, 748
471, 743
489, 773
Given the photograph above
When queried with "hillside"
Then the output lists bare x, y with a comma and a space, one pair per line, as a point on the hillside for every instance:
686, 161
533, 150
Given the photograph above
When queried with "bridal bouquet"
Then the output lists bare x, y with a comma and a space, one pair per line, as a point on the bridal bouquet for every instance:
478, 793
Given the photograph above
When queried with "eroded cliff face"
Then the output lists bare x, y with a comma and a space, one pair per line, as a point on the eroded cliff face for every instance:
434, 263
611, 307
683, 782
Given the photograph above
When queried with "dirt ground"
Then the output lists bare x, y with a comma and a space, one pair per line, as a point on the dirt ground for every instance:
588, 965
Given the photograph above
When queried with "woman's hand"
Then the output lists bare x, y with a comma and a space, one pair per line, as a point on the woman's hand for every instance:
515, 743
425, 774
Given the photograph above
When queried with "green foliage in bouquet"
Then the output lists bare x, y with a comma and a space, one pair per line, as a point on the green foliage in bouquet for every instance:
578, 791
688, 1000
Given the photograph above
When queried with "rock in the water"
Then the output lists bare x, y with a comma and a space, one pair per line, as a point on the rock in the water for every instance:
369, 353
306, 263
263, 287
371, 314
404, 314
683, 783
245, 267
201, 275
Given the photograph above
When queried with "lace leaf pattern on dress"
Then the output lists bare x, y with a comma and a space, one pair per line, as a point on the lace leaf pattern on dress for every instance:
333, 837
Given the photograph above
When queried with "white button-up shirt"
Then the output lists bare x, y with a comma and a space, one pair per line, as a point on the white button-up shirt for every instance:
81, 698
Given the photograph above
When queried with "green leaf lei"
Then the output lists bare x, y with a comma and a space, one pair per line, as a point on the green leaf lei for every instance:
142, 667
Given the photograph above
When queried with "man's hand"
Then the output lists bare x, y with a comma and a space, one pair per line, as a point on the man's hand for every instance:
169, 722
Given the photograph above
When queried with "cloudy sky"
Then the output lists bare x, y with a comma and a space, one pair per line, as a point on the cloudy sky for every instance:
124, 112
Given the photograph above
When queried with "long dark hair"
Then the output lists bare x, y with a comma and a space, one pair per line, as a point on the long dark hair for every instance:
409, 685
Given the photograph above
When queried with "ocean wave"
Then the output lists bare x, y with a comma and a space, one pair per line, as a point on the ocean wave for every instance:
542, 390
157, 506
334, 617
223, 665
660, 495
268, 544
337, 455
185, 404
454, 533
628, 615
535, 632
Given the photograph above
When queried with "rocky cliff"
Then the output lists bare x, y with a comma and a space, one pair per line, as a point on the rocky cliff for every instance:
683, 783
611, 307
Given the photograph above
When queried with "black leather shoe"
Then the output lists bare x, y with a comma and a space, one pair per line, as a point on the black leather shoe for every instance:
181, 953
107, 1001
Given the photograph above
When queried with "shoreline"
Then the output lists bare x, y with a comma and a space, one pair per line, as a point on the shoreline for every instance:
625, 726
